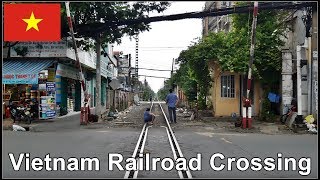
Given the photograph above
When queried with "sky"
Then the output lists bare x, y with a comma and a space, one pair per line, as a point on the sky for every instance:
163, 42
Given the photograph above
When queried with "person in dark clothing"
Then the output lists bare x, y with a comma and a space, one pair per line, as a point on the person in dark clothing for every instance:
148, 116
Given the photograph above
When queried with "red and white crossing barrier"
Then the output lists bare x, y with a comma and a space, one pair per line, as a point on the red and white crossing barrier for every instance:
84, 111
247, 109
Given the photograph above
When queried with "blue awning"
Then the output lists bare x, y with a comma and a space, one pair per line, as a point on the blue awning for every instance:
23, 71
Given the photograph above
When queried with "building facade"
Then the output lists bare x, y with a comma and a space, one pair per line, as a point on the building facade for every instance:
228, 88
48, 70
302, 34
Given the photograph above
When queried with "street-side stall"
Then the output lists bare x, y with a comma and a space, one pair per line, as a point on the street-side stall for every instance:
25, 83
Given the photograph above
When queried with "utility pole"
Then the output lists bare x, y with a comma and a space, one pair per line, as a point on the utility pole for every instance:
85, 109
247, 109
314, 62
137, 58
129, 73
172, 67
98, 77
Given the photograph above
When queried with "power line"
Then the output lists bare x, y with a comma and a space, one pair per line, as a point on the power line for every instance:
156, 46
176, 47
154, 76
101, 27
154, 69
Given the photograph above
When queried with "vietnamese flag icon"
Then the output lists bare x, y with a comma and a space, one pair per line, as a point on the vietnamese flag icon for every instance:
32, 22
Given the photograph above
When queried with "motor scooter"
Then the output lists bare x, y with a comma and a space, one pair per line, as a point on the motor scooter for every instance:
19, 113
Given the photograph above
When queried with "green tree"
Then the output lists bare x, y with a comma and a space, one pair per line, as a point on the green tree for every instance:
147, 92
87, 16
231, 51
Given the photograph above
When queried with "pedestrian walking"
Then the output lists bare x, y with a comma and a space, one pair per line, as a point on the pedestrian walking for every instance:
148, 116
172, 101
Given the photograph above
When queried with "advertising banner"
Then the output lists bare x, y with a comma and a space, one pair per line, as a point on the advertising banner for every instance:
20, 79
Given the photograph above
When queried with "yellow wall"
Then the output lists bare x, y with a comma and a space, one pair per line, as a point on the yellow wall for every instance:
226, 106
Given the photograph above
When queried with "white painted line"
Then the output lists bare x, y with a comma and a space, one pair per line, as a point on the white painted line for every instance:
226, 140
210, 134
103, 131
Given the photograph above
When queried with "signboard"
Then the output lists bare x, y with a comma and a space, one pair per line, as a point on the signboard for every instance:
40, 49
50, 86
67, 71
114, 84
51, 113
20, 79
123, 67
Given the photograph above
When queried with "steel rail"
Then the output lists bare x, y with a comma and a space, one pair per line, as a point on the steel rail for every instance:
177, 153
140, 145
175, 146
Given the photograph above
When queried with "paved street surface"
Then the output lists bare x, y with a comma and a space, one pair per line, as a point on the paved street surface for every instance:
66, 138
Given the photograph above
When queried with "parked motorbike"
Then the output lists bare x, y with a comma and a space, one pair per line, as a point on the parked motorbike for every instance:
34, 109
20, 114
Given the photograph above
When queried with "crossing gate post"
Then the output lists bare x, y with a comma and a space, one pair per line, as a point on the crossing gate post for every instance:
84, 116
244, 117
247, 114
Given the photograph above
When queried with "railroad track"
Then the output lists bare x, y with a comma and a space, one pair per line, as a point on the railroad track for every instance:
141, 144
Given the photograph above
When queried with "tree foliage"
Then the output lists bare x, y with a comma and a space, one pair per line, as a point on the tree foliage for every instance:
147, 92
89, 15
231, 52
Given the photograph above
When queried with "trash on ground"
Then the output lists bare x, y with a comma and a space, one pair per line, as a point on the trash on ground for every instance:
17, 128
309, 120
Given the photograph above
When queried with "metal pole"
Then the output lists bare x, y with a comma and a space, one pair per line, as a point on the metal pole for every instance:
309, 77
314, 62
98, 77
137, 58
247, 102
172, 67
85, 103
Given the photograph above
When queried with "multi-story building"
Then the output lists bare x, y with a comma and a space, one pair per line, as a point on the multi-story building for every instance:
217, 23
38, 69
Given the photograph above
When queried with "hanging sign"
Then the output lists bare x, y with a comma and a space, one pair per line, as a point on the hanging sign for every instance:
67, 71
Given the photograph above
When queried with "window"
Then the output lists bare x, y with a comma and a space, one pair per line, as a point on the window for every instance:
227, 86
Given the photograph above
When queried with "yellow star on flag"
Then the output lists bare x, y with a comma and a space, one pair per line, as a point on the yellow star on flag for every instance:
32, 22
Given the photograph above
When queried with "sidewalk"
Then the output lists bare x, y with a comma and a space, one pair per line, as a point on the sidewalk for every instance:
227, 124
67, 122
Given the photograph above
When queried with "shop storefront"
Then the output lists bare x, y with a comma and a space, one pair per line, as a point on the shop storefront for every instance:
30, 83
68, 88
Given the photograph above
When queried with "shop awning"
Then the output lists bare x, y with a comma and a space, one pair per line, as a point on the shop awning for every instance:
23, 71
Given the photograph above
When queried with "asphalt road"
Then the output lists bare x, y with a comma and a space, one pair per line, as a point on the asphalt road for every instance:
75, 141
